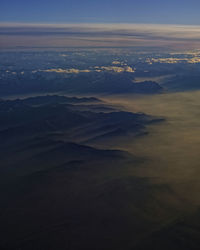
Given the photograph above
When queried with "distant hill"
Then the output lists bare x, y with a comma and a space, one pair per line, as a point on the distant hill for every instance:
90, 83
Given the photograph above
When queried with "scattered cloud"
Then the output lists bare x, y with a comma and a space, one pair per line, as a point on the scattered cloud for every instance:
172, 60
66, 71
115, 69
118, 69
64, 55
116, 62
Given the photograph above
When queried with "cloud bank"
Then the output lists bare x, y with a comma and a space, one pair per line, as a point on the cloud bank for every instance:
13, 35
114, 69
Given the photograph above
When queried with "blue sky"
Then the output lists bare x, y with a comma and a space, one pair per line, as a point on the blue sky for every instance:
102, 11
107, 23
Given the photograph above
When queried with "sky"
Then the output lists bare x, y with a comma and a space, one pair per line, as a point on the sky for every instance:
92, 23
101, 11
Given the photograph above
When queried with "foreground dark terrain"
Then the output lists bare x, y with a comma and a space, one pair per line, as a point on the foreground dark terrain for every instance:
56, 190
99, 150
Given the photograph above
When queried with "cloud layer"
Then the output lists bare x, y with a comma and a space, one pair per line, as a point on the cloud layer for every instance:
98, 35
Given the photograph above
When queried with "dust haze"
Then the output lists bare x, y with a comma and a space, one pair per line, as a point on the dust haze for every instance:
171, 147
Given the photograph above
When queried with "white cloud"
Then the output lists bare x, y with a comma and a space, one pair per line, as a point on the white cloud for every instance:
66, 71
115, 69
118, 69
116, 62
173, 60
